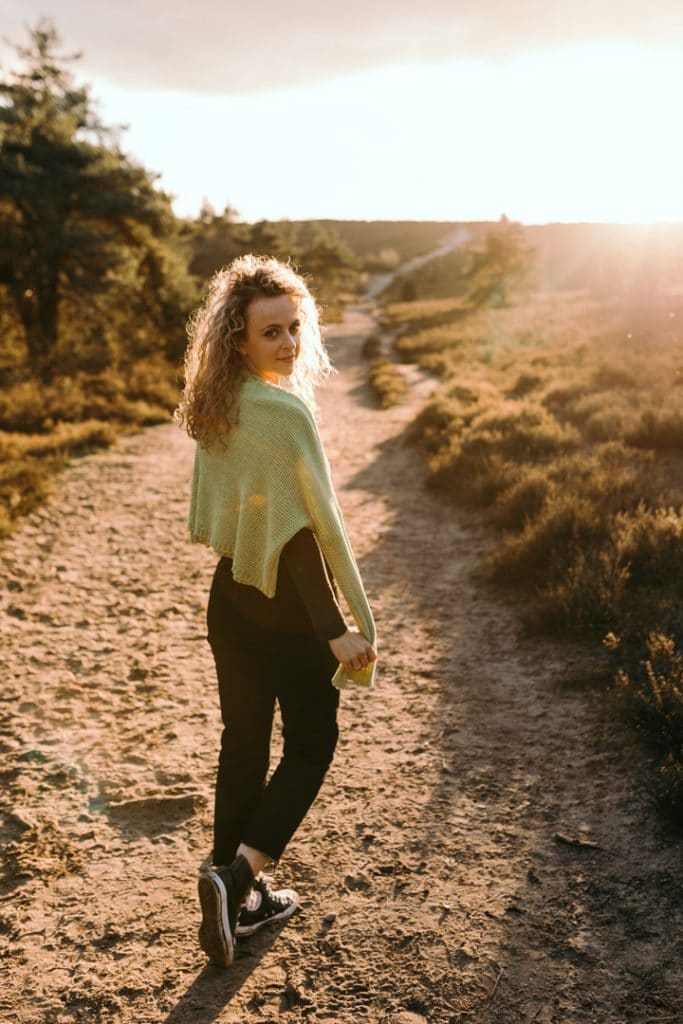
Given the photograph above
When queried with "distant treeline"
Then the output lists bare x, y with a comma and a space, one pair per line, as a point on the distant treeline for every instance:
605, 260
97, 274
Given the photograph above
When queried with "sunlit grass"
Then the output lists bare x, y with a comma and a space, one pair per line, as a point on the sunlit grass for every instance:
42, 426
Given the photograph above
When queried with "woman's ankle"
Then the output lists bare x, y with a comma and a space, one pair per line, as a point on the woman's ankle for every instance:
255, 859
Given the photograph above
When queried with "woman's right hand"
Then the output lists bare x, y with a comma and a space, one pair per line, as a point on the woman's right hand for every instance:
352, 650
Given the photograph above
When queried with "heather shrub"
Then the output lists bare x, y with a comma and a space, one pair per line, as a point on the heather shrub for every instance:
42, 425
660, 430
23, 485
523, 500
548, 545
571, 546
420, 313
145, 395
606, 423
563, 425
28, 462
65, 438
651, 690
152, 380
22, 407
521, 433
586, 599
612, 377
437, 363
387, 382
436, 423
485, 448
372, 347
649, 553
474, 477
524, 385
560, 401
462, 394
412, 347
650, 542
608, 474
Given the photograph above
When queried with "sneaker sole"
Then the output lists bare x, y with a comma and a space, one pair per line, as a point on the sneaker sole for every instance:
249, 929
215, 936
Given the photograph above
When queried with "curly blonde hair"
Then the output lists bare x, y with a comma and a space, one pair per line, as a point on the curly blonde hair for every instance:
214, 366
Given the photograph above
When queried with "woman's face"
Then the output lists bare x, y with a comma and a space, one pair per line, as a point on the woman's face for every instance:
273, 336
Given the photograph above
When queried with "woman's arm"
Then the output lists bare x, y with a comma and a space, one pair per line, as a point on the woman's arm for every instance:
305, 564
356, 653
325, 515
316, 587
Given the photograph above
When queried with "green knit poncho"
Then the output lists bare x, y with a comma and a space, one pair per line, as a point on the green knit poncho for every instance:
268, 479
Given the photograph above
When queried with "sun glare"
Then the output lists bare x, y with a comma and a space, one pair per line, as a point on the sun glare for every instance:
586, 133
605, 128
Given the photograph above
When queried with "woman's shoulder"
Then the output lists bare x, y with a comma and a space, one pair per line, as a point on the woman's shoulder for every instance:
276, 402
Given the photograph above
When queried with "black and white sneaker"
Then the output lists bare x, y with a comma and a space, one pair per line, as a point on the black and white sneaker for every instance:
221, 893
265, 906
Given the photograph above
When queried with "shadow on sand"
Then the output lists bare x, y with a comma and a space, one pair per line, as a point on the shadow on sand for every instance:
214, 987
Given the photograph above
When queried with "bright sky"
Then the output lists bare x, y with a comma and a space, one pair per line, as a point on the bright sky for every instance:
382, 111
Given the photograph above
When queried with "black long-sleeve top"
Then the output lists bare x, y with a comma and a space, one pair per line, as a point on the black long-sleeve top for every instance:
306, 593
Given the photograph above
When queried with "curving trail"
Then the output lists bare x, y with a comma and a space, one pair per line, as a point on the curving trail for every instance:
434, 885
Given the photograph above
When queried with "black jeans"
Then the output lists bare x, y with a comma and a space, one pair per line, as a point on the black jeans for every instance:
265, 650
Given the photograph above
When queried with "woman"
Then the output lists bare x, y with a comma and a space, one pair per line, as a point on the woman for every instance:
263, 499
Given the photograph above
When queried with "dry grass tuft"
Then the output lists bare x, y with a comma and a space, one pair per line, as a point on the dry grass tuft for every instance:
43, 425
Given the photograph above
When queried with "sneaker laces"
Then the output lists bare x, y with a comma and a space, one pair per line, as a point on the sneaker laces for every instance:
263, 882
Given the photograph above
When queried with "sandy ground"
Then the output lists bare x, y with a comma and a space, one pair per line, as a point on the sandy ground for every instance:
444, 871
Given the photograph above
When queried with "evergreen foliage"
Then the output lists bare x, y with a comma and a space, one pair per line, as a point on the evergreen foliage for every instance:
499, 267
316, 251
88, 246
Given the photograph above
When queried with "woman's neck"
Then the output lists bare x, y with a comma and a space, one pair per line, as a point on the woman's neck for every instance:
268, 380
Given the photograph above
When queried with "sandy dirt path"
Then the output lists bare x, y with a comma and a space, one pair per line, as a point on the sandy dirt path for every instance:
435, 882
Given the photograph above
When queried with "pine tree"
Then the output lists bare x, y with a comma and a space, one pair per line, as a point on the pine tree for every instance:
332, 266
77, 216
501, 266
